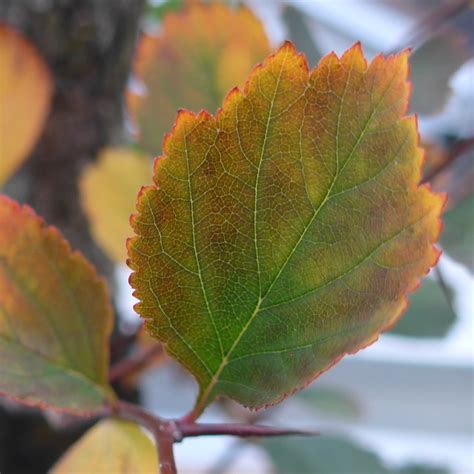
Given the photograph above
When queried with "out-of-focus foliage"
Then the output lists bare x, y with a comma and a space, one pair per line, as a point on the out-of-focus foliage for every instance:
55, 317
199, 54
112, 446
429, 313
330, 455
458, 234
286, 262
25, 93
108, 193
330, 402
156, 12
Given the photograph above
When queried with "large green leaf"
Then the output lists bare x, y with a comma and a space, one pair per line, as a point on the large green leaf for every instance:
108, 189
285, 231
55, 317
156, 11
432, 66
330, 402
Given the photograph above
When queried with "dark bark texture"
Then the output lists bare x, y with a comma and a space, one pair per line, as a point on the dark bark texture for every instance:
88, 45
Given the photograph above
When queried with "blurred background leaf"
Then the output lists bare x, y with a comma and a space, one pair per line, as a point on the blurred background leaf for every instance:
429, 313
109, 190
432, 65
458, 234
111, 446
329, 402
156, 11
25, 93
331, 455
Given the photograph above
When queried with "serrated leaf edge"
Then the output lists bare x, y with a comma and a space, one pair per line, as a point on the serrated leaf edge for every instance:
77, 257
204, 115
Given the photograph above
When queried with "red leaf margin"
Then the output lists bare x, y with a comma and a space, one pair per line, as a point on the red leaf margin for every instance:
235, 93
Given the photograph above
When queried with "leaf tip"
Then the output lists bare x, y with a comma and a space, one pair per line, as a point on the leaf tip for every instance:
232, 96
354, 56
287, 45
204, 115
356, 47
184, 118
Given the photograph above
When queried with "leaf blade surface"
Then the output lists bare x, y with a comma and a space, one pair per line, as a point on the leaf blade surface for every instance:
285, 231
108, 188
55, 317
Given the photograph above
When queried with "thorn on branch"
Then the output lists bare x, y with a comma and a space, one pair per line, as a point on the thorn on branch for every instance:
187, 430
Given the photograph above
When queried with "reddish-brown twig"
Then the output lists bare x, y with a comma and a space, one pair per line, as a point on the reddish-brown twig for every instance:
168, 432
241, 430
161, 430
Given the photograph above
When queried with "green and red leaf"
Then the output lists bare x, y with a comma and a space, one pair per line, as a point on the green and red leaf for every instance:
285, 231
25, 92
55, 317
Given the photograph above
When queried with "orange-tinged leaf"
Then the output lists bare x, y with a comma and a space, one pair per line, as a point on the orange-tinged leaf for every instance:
55, 317
285, 231
108, 190
25, 93
112, 446
198, 56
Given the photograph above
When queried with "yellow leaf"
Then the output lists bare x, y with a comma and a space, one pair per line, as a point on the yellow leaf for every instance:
55, 317
25, 93
111, 446
108, 191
